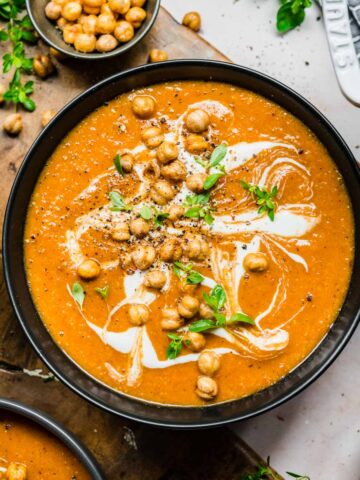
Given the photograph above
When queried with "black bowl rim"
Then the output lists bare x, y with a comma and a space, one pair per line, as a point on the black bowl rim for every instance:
96, 56
182, 64
81, 452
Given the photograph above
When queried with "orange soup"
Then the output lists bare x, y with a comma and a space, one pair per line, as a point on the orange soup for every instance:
189, 242
28, 452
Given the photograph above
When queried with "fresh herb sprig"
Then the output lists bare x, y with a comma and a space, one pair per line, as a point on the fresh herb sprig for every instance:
199, 207
117, 202
103, 292
264, 199
174, 348
298, 476
78, 294
18, 30
291, 14
186, 272
148, 213
117, 163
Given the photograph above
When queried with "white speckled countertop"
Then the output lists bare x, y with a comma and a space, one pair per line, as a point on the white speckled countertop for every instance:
318, 432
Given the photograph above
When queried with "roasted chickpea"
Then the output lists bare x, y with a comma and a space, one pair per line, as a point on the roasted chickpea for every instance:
188, 306
170, 250
85, 42
206, 388
106, 43
171, 319
135, 16
194, 341
206, 311
143, 256
162, 192
89, 269
192, 20
152, 137
16, 471
196, 182
127, 162
46, 117
138, 3
143, 106
2, 91
13, 124
156, 55
119, 6
195, 144
167, 152
195, 247
138, 314
89, 25
155, 279
105, 8
124, 31
60, 2
70, 31
43, 66
61, 23
175, 212
121, 232
197, 121
105, 23
91, 10
55, 53
208, 362
71, 11
139, 227
126, 262
93, 3
53, 10
175, 171
256, 262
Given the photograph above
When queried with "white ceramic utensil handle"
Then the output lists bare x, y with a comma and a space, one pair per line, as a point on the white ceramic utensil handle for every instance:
346, 63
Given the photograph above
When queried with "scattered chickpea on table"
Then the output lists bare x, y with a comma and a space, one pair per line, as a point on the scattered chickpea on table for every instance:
192, 20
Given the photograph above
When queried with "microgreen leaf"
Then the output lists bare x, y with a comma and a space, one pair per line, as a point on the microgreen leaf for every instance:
263, 198
217, 298
240, 317
174, 348
291, 14
146, 212
160, 217
103, 291
198, 207
78, 294
117, 163
186, 271
202, 325
218, 155
211, 180
118, 202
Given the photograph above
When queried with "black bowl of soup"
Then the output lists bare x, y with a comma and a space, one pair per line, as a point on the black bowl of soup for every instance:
179, 244
35, 446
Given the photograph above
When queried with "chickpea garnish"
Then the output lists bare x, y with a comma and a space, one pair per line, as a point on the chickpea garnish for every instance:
121, 232
127, 162
135, 16
43, 66
92, 3
13, 124
89, 25
194, 341
155, 279
16, 471
106, 43
167, 152
144, 106
197, 121
47, 116
171, 319
71, 11
192, 20
85, 42
138, 314
139, 227
156, 55
188, 306
175, 212
195, 143
55, 53
70, 31
175, 171
206, 388
89, 269
256, 262
124, 31
195, 182
162, 192
206, 311
105, 23
195, 247
119, 6
143, 256
126, 262
170, 250
152, 137
53, 10
138, 3
208, 362
91, 10
61, 23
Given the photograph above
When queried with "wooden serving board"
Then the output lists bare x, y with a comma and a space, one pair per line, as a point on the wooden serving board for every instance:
125, 449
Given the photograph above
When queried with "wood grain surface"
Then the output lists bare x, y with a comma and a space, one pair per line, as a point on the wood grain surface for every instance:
125, 450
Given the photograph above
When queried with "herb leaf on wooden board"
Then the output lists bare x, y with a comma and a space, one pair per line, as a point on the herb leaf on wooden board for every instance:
291, 14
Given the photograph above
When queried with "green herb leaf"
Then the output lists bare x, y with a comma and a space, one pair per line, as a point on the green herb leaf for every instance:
78, 294
160, 217
202, 325
174, 348
186, 271
117, 163
211, 180
299, 477
146, 212
194, 278
291, 14
218, 155
118, 203
103, 291
217, 298
240, 317
200, 199
263, 198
